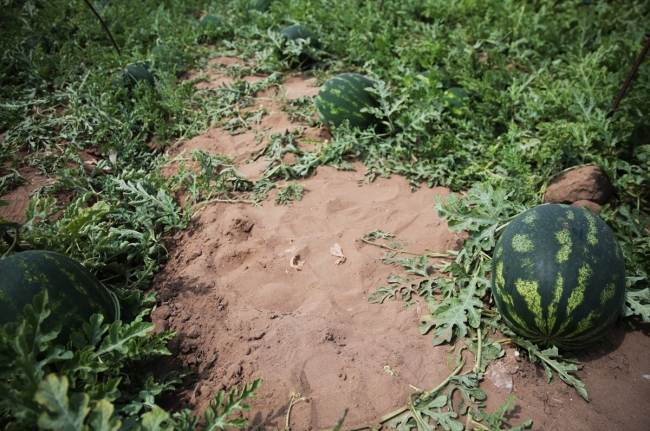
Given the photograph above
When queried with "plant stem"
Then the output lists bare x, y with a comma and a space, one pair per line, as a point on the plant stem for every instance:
110, 35
636, 65
477, 365
425, 395
294, 400
397, 250
12, 241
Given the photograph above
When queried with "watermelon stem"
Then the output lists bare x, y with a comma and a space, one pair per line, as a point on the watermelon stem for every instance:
398, 250
479, 338
295, 399
422, 396
13, 241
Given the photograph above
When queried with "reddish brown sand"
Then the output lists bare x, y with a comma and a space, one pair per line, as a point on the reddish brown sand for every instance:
243, 312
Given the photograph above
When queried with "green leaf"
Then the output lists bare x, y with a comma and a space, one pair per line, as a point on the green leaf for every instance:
156, 420
101, 417
62, 413
216, 417
549, 360
120, 337
637, 302
497, 419
451, 316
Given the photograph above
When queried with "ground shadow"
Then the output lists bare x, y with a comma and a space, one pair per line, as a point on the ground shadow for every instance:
613, 339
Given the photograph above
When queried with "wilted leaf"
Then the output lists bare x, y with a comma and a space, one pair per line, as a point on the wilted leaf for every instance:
338, 252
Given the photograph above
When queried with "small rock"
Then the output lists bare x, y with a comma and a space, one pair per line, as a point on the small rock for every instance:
591, 206
163, 312
194, 332
584, 183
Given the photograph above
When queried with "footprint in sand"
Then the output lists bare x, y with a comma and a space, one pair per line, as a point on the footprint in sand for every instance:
280, 297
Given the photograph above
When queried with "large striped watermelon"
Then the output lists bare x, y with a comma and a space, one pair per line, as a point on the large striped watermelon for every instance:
558, 276
75, 294
342, 98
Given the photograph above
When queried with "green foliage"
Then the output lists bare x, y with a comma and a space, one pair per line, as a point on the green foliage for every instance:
94, 382
288, 193
497, 419
216, 416
553, 362
65, 387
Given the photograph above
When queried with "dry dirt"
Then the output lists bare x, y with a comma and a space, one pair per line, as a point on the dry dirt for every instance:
243, 312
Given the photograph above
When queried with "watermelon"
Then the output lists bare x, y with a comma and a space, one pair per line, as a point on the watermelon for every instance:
210, 22
211, 28
342, 98
135, 73
75, 294
260, 5
558, 276
455, 99
297, 32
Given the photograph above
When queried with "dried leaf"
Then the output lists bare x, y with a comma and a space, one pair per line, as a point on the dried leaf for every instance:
296, 263
338, 252
112, 156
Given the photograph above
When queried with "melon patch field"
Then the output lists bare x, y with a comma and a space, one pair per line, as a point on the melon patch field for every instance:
237, 214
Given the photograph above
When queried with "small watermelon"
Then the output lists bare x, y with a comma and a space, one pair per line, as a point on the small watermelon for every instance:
342, 98
558, 276
455, 99
260, 5
297, 32
211, 28
75, 294
210, 21
134, 73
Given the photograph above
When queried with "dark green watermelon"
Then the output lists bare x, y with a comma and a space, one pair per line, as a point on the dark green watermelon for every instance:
260, 5
211, 29
558, 276
135, 73
75, 294
342, 98
210, 21
296, 32
455, 100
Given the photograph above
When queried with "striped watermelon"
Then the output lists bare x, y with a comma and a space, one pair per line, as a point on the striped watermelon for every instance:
75, 294
342, 98
455, 99
296, 32
558, 276
210, 29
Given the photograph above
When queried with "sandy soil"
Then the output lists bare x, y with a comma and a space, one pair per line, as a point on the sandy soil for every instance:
243, 312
